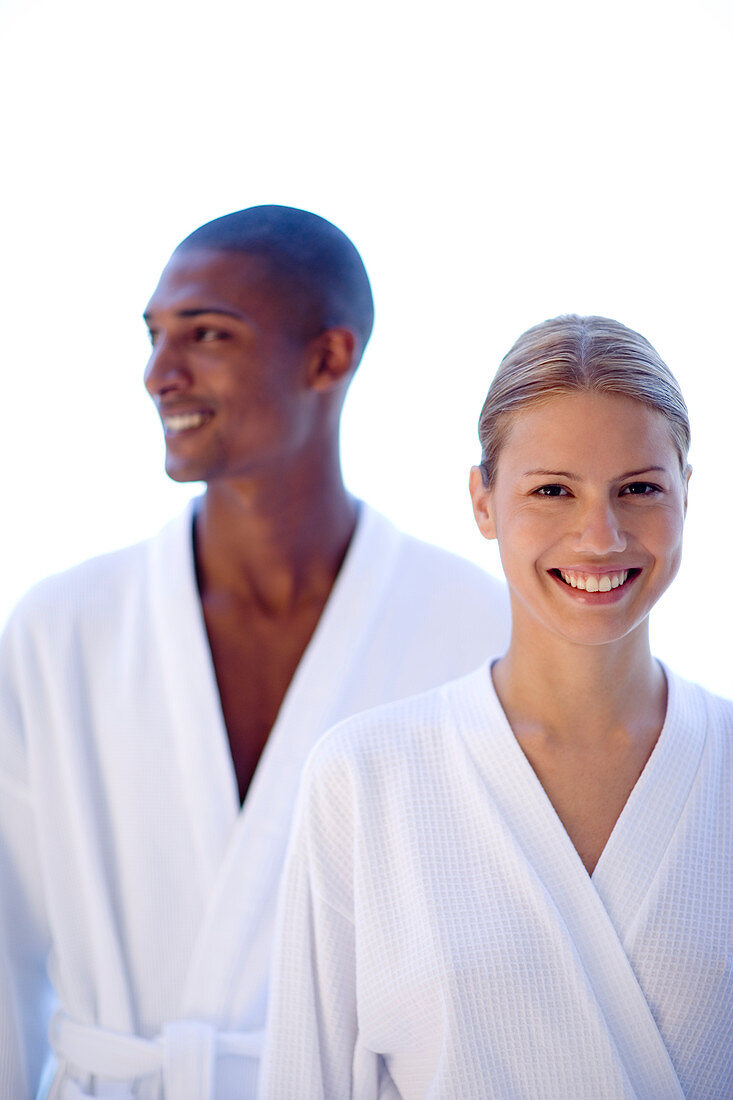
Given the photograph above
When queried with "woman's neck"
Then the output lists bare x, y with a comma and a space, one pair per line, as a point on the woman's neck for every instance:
565, 691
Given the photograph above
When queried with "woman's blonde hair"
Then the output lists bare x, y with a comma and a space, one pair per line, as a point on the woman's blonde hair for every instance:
579, 353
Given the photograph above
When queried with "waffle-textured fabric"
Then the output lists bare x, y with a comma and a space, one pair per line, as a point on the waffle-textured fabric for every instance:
124, 857
439, 936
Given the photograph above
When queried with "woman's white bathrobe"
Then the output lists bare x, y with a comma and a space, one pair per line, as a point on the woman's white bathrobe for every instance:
124, 858
440, 937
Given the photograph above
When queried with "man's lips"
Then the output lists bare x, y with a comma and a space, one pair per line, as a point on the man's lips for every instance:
596, 580
178, 420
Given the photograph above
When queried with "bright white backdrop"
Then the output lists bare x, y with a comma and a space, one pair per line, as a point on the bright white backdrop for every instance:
496, 164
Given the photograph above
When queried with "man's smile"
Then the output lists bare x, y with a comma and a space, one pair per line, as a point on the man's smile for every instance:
180, 416
173, 423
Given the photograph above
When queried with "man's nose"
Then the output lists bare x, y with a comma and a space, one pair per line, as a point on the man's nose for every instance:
165, 369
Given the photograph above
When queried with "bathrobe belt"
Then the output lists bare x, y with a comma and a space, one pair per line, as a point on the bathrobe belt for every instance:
183, 1056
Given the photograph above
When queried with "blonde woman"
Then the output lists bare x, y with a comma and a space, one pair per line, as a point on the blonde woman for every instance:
520, 885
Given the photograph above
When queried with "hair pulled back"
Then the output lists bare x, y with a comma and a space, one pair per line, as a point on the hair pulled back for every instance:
572, 353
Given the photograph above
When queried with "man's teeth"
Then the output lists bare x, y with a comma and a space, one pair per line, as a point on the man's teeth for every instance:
180, 422
595, 582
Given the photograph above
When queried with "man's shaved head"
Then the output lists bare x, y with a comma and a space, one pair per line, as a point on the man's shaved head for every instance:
311, 263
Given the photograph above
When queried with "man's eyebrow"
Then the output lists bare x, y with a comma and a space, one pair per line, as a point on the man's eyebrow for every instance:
577, 477
199, 311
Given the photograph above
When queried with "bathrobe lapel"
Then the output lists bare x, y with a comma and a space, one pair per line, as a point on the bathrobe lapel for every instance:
649, 820
238, 853
204, 763
593, 916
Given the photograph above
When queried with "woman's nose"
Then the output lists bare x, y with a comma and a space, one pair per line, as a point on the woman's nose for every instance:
600, 531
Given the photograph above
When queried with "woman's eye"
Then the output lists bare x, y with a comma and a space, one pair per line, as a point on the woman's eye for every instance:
640, 489
551, 491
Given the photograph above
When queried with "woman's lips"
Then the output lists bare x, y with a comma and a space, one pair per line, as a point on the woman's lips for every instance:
598, 581
594, 582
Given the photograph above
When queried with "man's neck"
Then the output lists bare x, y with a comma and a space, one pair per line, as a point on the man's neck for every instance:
274, 540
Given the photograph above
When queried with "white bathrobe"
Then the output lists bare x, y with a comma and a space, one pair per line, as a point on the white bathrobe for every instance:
439, 936
125, 861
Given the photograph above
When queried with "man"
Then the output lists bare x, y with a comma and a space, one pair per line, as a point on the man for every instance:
157, 704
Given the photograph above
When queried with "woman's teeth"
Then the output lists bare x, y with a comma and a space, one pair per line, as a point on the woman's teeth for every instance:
595, 582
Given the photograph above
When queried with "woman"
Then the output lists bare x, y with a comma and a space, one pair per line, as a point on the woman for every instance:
521, 884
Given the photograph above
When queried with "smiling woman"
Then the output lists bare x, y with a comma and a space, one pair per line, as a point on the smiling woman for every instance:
518, 884
574, 533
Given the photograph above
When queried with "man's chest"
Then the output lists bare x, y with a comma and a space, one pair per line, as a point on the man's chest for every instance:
255, 657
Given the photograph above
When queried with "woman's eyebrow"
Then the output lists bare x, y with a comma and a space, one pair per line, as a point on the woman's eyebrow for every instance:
577, 477
645, 470
553, 473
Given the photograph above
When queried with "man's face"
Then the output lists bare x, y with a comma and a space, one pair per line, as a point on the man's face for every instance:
227, 375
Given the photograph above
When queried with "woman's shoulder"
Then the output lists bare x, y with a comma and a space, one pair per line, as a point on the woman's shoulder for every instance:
407, 727
696, 704
376, 774
373, 740
389, 752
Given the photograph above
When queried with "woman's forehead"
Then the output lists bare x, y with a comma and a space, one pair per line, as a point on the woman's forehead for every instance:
587, 429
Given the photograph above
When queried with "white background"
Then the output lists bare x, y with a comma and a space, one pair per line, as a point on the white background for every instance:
496, 164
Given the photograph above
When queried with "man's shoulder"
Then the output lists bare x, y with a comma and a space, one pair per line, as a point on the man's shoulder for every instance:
431, 564
94, 585
451, 568
444, 612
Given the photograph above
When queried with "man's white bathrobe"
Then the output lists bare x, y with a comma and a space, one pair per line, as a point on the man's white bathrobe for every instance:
124, 859
440, 937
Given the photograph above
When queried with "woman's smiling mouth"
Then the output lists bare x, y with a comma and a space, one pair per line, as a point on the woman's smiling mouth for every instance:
595, 582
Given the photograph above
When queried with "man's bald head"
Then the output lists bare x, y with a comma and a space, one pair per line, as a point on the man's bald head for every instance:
311, 264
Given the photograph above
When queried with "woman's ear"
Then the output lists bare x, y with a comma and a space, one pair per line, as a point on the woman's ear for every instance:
687, 475
482, 499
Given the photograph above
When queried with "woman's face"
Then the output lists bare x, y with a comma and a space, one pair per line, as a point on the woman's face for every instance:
588, 507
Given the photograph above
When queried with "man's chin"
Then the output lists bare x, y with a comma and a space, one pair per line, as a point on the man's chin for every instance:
183, 473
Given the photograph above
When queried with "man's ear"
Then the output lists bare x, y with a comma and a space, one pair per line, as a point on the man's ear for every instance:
482, 499
332, 358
